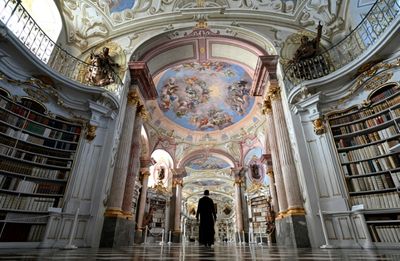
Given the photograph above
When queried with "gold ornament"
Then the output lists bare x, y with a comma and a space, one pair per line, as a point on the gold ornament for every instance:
133, 98
267, 108
91, 132
319, 126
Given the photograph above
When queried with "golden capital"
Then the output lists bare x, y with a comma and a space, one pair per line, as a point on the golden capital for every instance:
133, 98
177, 182
274, 92
238, 181
267, 108
142, 112
319, 127
145, 173
90, 132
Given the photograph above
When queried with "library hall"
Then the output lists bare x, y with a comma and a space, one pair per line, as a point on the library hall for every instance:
199, 130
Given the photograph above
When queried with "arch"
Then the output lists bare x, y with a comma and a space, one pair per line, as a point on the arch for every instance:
163, 164
202, 153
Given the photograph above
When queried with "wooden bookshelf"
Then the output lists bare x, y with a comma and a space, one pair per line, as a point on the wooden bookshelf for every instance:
36, 156
259, 208
158, 222
364, 136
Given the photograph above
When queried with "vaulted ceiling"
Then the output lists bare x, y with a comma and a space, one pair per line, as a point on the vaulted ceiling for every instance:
202, 56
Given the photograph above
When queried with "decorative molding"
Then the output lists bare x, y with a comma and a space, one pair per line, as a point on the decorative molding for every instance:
140, 73
265, 70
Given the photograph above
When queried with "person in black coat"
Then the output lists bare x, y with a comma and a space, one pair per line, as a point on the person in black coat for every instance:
208, 216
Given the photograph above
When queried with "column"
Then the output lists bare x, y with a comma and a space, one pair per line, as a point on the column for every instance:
143, 196
238, 200
291, 226
134, 162
122, 161
276, 165
117, 229
294, 198
178, 184
272, 189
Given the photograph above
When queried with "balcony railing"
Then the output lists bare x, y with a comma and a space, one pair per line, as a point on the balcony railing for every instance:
363, 37
14, 16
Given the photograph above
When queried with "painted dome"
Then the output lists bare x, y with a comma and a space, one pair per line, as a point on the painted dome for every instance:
205, 96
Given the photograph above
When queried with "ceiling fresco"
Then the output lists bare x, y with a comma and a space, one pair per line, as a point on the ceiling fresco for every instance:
208, 183
120, 5
205, 96
209, 162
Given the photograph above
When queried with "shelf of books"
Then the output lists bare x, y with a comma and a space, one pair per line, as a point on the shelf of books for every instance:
36, 155
158, 223
259, 208
365, 137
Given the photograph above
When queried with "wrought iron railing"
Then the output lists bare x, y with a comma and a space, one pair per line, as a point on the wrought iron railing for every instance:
363, 37
14, 16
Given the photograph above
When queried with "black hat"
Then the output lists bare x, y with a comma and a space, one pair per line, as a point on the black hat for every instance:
206, 192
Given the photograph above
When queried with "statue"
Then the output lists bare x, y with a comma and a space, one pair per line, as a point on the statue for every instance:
308, 48
307, 63
161, 174
100, 71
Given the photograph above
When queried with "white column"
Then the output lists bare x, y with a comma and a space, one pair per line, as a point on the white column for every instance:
276, 165
114, 205
294, 197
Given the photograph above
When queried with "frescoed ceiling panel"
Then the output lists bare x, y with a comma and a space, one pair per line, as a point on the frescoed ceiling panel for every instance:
205, 96
209, 162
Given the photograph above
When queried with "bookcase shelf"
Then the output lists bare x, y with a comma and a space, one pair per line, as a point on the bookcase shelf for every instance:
36, 157
158, 222
364, 136
259, 207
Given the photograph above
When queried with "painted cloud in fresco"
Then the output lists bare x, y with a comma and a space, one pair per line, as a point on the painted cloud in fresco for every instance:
207, 163
116, 6
205, 97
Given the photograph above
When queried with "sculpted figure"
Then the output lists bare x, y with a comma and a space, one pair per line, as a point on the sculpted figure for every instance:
100, 71
308, 48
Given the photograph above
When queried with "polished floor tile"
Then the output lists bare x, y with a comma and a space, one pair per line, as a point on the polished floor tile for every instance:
228, 252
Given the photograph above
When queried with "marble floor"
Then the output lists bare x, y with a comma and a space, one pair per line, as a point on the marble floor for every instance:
194, 252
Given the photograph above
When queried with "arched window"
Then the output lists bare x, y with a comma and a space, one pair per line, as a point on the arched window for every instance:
25, 23
51, 22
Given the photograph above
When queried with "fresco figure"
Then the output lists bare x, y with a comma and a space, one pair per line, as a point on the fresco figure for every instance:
207, 214
207, 96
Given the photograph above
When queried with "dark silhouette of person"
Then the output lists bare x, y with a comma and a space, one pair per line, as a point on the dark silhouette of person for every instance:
208, 216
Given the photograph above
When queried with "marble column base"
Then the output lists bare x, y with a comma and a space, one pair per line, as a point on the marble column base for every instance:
139, 236
117, 232
176, 236
291, 231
